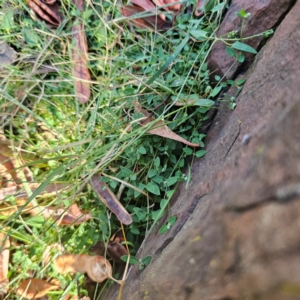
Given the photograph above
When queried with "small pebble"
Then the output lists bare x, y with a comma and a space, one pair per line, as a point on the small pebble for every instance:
246, 139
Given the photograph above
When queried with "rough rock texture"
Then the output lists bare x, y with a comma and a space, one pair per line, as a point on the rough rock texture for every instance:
264, 16
237, 234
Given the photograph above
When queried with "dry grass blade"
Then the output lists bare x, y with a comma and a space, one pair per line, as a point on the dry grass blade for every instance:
110, 200
80, 59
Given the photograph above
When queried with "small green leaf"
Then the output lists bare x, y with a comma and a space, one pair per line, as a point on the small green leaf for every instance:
134, 230
172, 220
171, 180
157, 162
243, 14
30, 37
218, 7
240, 57
156, 215
141, 214
146, 260
163, 203
142, 150
198, 34
132, 260
215, 91
8, 21
243, 47
163, 229
167, 226
152, 173
240, 81
205, 102
230, 52
200, 153
153, 188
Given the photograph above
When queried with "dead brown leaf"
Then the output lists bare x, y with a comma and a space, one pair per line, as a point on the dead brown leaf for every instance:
80, 59
97, 267
166, 5
52, 189
114, 247
70, 216
47, 11
47, 253
4, 260
199, 6
156, 22
160, 128
79, 4
110, 199
33, 288
116, 251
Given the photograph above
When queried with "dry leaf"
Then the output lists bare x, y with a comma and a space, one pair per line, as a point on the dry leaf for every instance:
163, 130
116, 250
79, 4
97, 267
155, 22
13, 168
35, 288
163, 3
98, 248
160, 128
51, 190
47, 252
80, 59
48, 13
110, 199
4, 260
199, 6
69, 216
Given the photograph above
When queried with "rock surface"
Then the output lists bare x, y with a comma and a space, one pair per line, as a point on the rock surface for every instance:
237, 234
265, 15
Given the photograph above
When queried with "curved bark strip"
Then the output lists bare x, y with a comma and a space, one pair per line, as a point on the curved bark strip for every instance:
110, 200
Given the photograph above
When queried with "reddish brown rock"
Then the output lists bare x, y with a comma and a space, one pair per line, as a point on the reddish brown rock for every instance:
237, 234
264, 16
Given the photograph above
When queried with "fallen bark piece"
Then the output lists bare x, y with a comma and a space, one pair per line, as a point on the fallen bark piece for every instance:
97, 267
110, 200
